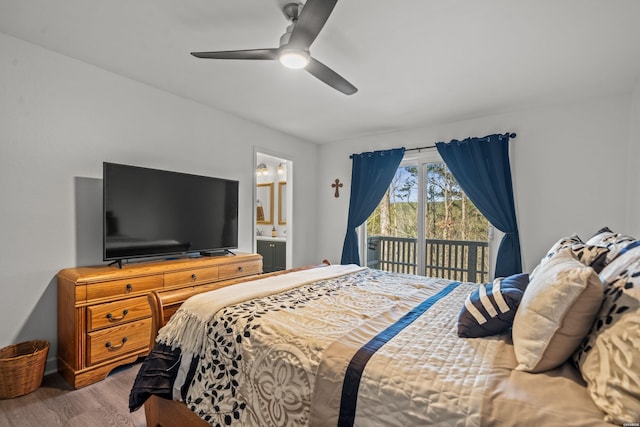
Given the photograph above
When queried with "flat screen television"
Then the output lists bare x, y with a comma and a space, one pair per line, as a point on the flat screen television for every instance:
152, 213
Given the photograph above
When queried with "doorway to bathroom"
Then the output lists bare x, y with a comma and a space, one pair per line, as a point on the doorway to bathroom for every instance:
273, 210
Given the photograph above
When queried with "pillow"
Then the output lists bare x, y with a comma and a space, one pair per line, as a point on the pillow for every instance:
589, 254
626, 256
490, 309
615, 242
556, 312
603, 230
609, 358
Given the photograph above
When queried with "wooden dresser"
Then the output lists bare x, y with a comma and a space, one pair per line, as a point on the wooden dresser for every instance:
104, 318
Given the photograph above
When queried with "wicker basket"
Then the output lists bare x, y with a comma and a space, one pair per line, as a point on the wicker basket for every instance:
22, 367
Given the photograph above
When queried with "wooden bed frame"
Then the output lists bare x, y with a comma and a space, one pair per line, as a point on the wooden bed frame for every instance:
161, 412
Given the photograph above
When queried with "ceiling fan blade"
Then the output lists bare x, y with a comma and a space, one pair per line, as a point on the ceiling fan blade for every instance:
330, 77
239, 54
312, 18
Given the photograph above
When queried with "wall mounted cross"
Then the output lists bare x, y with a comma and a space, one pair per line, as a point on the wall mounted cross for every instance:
337, 185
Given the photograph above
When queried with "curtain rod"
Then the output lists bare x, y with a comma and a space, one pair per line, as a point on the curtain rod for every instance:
418, 149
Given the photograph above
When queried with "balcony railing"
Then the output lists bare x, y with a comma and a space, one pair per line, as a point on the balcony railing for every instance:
461, 260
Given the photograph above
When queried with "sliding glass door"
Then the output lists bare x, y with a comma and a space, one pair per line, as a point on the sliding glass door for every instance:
426, 225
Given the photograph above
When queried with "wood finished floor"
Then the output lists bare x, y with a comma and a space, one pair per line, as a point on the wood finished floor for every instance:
55, 403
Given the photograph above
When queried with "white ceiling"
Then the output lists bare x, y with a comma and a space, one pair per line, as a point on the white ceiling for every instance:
415, 62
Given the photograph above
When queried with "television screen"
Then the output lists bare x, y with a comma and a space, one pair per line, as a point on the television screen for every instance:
150, 212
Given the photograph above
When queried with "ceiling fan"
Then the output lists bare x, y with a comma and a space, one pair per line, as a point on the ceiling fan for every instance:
306, 22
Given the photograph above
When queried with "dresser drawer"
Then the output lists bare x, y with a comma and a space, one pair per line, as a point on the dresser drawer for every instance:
118, 341
191, 277
118, 312
240, 269
117, 288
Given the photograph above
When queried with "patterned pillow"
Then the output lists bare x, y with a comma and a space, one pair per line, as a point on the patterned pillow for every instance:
597, 234
615, 242
556, 312
490, 309
589, 254
609, 358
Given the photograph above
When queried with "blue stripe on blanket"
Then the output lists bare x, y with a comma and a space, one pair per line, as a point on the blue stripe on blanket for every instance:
354, 371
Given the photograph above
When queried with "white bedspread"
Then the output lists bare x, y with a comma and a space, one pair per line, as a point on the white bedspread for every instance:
188, 326
279, 359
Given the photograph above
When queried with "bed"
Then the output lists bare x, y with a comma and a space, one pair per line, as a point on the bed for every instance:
345, 345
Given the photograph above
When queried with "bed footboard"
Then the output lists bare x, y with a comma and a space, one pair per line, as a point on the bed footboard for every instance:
161, 412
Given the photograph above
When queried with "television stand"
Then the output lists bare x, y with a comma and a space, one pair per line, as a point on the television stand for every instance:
118, 262
217, 253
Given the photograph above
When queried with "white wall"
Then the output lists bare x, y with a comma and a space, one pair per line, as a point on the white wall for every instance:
569, 165
633, 211
59, 120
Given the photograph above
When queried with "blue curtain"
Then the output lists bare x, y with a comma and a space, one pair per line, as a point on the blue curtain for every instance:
371, 175
481, 167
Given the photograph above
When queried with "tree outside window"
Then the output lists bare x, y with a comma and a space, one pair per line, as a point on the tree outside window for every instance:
449, 215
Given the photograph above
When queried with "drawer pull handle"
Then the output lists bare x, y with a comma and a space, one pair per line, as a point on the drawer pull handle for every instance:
240, 269
129, 287
117, 319
194, 276
112, 347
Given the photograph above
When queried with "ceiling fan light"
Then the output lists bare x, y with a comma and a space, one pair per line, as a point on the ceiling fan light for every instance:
295, 59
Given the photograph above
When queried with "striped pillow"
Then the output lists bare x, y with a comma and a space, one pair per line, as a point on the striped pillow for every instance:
491, 308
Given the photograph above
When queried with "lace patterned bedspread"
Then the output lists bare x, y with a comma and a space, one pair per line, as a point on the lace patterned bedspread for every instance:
280, 359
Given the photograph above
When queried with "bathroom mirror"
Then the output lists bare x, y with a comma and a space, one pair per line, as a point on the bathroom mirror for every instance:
282, 203
264, 203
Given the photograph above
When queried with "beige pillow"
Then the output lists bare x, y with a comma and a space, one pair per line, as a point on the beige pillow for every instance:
556, 312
